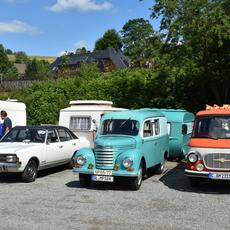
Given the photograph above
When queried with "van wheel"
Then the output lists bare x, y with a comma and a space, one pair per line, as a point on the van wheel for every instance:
160, 168
136, 182
85, 180
30, 172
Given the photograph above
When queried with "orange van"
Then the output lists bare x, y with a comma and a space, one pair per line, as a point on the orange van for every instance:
209, 146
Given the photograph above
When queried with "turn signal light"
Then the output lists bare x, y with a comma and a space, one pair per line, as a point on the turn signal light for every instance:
130, 169
116, 167
90, 166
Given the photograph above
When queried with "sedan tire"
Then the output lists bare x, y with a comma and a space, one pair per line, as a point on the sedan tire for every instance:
30, 172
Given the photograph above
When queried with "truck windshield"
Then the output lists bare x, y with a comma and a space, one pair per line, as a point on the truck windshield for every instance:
216, 127
120, 126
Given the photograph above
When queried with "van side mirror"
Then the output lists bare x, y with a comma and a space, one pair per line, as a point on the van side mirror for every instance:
184, 129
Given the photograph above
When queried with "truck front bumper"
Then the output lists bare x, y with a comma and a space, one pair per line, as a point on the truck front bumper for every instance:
114, 173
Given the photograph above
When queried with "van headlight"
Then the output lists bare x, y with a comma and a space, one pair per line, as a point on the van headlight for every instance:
127, 162
80, 160
11, 159
192, 157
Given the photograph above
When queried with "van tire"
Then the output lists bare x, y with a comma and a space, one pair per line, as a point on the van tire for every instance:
30, 172
161, 167
85, 180
136, 182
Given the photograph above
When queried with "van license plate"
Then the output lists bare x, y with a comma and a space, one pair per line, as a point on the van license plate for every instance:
219, 176
102, 178
103, 172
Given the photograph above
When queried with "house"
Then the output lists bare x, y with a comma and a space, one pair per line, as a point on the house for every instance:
21, 68
106, 60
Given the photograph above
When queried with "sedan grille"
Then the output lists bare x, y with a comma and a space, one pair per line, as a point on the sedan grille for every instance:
217, 161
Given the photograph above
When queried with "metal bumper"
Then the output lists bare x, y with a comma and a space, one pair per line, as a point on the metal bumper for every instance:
114, 173
192, 173
10, 167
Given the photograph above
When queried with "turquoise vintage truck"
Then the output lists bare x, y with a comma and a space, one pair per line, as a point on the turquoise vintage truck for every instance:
128, 144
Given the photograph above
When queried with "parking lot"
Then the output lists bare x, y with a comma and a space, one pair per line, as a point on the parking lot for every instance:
57, 201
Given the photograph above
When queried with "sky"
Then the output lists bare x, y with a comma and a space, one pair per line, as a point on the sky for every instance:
50, 27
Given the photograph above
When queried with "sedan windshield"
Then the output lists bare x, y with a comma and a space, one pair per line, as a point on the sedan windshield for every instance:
216, 127
120, 126
25, 135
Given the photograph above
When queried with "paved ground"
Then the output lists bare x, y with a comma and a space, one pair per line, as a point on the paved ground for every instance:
57, 201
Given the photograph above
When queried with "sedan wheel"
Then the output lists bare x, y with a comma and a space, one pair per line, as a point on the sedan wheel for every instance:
30, 172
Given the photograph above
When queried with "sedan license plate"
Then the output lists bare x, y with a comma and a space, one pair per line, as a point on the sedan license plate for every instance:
102, 178
103, 172
219, 176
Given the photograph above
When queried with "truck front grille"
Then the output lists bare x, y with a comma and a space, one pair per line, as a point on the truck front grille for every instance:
104, 157
217, 161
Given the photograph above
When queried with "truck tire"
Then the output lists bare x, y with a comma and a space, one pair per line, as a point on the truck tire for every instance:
136, 182
30, 172
85, 180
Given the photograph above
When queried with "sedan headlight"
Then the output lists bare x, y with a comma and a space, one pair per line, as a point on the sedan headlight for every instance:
127, 162
11, 159
80, 160
192, 157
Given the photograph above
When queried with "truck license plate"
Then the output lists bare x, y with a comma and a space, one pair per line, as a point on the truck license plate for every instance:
102, 178
219, 176
103, 172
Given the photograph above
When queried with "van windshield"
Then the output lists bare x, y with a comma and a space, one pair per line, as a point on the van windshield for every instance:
216, 127
120, 126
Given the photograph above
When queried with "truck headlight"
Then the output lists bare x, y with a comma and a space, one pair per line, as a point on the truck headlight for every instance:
127, 162
80, 160
192, 157
11, 159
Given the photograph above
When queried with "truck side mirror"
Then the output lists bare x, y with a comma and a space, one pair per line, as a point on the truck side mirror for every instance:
184, 129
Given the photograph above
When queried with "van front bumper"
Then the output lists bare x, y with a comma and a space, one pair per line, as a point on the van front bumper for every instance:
114, 173
193, 173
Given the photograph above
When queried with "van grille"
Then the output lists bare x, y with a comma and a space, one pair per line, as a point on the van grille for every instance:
217, 161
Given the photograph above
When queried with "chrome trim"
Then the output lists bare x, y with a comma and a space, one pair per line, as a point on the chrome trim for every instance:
222, 160
10, 165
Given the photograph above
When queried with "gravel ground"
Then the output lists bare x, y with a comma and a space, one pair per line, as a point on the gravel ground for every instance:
57, 201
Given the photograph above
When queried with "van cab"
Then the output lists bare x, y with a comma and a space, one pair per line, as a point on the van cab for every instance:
128, 144
180, 123
209, 146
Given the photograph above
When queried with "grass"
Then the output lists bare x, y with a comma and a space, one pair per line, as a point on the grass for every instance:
50, 59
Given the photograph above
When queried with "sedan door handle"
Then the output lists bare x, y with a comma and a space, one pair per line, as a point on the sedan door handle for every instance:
61, 146
74, 143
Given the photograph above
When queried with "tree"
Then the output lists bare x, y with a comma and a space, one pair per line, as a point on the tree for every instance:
139, 41
37, 69
4, 61
9, 51
82, 50
21, 57
198, 35
110, 39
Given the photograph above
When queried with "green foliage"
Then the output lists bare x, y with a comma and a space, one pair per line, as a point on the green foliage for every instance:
4, 61
11, 74
82, 50
21, 57
37, 69
140, 41
110, 39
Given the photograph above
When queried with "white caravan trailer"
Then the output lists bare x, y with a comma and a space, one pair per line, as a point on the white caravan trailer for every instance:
16, 111
83, 117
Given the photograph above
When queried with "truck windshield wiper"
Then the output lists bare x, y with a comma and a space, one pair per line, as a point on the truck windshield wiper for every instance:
124, 122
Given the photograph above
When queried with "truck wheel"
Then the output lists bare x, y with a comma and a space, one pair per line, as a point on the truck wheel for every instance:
160, 168
136, 182
85, 180
30, 172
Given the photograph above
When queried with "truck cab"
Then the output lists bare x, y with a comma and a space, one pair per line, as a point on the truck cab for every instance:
127, 145
209, 146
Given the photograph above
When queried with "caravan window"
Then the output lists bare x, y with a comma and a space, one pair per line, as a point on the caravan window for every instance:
80, 123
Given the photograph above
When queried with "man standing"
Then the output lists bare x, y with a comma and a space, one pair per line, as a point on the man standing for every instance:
7, 123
